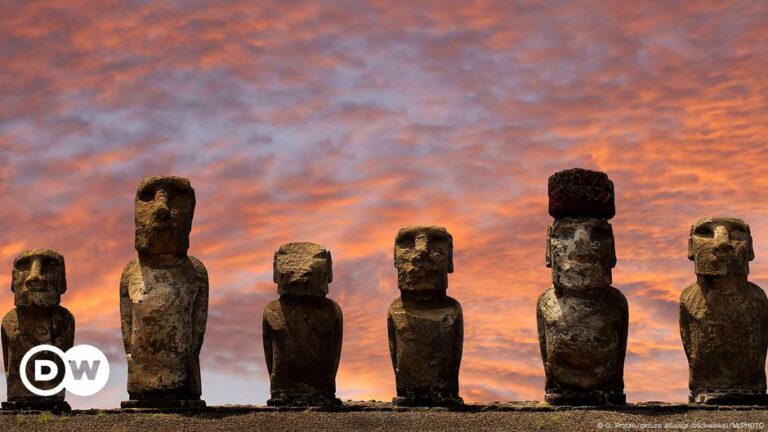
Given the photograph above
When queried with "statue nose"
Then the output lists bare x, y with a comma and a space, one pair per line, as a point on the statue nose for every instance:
722, 239
581, 236
162, 211
421, 246
35, 276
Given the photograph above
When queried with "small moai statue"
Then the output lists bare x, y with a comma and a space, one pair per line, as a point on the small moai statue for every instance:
163, 300
724, 317
425, 326
302, 330
582, 320
38, 282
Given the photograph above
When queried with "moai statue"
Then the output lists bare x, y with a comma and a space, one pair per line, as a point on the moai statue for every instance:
302, 330
164, 300
724, 317
582, 320
38, 282
425, 326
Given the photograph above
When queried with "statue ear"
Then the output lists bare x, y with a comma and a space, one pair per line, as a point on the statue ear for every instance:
613, 247
548, 252
450, 254
329, 266
751, 250
274, 268
690, 243
63, 281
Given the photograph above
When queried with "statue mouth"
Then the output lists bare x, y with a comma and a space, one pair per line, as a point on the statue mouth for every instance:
36, 286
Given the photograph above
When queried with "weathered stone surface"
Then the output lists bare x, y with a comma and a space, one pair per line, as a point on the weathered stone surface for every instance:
164, 300
38, 281
582, 320
581, 193
302, 330
723, 317
425, 327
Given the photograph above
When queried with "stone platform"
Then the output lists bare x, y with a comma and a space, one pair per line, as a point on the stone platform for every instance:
381, 416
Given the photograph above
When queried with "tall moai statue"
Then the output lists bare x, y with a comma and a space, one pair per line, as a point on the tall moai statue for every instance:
164, 300
302, 330
582, 320
425, 326
38, 282
724, 317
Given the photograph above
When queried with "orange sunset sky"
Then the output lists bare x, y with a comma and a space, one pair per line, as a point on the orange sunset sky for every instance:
338, 122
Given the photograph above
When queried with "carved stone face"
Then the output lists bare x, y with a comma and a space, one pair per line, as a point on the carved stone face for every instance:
720, 246
164, 210
581, 253
38, 278
302, 269
423, 258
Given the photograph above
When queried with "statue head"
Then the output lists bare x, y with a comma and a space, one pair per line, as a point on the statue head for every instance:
580, 246
423, 258
38, 278
164, 210
302, 269
720, 246
581, 253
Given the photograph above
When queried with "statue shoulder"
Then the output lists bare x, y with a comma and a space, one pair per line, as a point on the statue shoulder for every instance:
199, 267
331, 304
65, 314
130, 268
10, 321
546, 298
396, 305
452, 302
691, 292
618, 296
273, 306
273, 314
756, 293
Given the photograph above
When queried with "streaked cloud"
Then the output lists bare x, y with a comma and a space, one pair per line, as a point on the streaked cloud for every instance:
340, 122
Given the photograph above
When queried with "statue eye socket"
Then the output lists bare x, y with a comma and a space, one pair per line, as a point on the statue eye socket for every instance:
737, 234
563, 233
601, 233
406, 241
147, 194
50, 264
23, 264
439, 243
704, 231
320, 255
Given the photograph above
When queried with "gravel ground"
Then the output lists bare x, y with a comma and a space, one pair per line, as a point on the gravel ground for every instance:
382, 418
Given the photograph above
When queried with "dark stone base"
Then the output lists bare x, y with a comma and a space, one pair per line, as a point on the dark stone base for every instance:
725, 398
431, 400
164, 404
586, 398
61, 406
304, 401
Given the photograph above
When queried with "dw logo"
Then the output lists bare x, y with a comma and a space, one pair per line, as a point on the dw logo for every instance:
86, 370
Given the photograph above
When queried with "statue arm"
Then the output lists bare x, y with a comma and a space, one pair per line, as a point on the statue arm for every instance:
623, 334
460, 337
200, 309
266, 334
126, 312
541, 327
391, 335
765, 330
67, 339
339, 338
685, 329
4, 341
